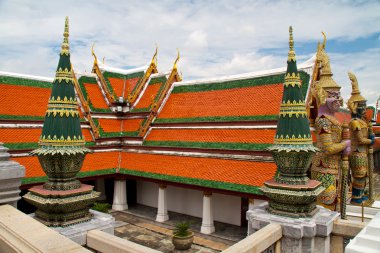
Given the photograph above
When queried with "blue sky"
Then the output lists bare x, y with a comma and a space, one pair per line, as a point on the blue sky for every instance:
215, 38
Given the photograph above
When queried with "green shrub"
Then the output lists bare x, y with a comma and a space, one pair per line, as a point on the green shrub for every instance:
101, 207
182, 229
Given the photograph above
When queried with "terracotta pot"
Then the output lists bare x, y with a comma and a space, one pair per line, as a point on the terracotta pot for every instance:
183, 243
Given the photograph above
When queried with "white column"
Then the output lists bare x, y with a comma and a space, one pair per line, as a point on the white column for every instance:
251, 204
162, 210
207, 218
120, 195
99, 187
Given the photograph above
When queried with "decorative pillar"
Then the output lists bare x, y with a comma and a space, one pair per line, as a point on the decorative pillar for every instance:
207, 218
63, 200
162, 211
99, 187
120, 195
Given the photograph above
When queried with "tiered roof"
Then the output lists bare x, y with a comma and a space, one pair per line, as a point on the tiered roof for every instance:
209, 133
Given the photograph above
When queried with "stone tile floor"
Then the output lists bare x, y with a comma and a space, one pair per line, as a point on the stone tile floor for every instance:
140, 227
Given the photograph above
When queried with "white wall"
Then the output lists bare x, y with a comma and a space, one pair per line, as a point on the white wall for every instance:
226, 208
147, 193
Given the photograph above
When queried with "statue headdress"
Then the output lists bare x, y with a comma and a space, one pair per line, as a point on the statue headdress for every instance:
356, 97
325, 82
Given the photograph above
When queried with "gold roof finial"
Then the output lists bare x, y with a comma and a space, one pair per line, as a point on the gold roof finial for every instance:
292, 53
93, 54
65, 44
176, 60
324, 40
154, 58
355, 94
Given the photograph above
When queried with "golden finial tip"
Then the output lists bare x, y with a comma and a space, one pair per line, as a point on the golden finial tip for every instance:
324, 40
291, 42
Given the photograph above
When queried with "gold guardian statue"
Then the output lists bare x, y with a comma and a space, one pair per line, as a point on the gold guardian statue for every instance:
361, 141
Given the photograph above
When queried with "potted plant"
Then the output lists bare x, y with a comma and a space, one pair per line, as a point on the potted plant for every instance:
182, 236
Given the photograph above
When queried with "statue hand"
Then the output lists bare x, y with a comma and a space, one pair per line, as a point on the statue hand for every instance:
347, 149
372, 138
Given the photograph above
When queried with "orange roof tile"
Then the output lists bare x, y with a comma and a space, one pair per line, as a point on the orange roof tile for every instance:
222, 170
15, 135
92, 162
213, 135
100, 161
247, 101
23, 100
32, 166
149, 95
114, 125
95, 95
118, 85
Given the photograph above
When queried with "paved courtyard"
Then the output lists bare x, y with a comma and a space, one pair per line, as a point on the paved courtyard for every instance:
140, 227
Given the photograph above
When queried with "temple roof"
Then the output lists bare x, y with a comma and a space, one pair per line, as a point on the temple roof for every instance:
211, 133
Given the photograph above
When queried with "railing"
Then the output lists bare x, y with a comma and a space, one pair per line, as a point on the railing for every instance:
21, 233
103, 243
260, 241
344, 229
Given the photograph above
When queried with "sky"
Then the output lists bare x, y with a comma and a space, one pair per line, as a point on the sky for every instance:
215, 38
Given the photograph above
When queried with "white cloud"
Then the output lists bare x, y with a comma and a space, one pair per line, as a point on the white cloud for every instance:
214, 37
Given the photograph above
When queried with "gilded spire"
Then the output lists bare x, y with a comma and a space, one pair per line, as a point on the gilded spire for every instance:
355, 93
61, 129
65, 44
176, 60
154, 58
292, 53
93, 54
293, 130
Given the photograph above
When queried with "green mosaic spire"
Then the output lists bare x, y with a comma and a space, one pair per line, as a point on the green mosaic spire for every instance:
62, 132
293, 132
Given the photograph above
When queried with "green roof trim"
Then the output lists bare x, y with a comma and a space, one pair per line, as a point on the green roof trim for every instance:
258, 81
91, 80
210, 145
25, 82
118, 134
21, 145
146, 109
81, 174
32, 145
161, 80
107, 75
158, 79
216, 119
21, 117
196, 181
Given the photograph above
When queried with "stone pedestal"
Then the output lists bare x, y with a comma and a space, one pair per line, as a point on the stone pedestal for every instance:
11, 174
62, 208
207, 217
120, 196
300, 235
162, 205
